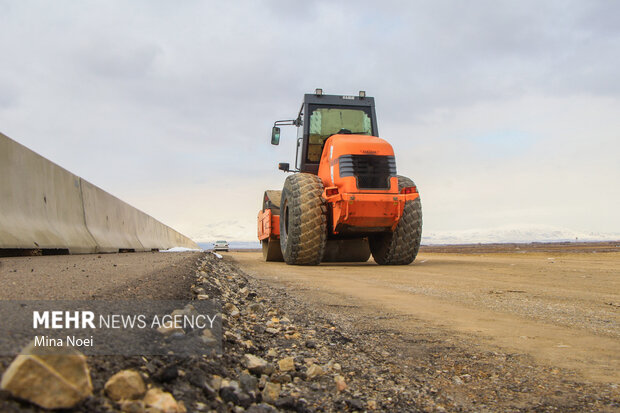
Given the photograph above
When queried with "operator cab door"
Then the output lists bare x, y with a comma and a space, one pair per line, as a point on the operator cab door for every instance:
300, 146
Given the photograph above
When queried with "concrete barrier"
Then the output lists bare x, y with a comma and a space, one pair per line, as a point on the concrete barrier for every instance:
43, 206
40, 203
110, 221
152, 236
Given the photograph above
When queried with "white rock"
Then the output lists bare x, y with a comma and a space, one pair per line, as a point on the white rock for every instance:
253, 363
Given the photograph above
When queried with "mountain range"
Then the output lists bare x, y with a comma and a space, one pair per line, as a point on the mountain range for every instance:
238, 235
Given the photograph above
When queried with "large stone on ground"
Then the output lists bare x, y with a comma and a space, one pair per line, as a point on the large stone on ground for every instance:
50, 377
253, 363
287, 364
314, 371
158, 401
231, 309
125, 385
271, 392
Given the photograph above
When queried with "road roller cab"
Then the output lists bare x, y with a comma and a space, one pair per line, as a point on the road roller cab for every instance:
344, 200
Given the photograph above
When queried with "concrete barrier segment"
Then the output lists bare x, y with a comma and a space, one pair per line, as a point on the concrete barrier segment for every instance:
110, 221
44, 206
40, 203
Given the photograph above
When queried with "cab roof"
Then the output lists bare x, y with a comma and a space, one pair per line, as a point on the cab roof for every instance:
346, 100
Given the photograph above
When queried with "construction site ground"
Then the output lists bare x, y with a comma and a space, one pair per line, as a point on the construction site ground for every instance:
464, 328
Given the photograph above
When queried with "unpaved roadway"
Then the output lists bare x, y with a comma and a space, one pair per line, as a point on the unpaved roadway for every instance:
562, 310
463, 329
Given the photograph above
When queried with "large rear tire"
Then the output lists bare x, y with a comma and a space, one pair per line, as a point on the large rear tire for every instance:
303, 220
401, 246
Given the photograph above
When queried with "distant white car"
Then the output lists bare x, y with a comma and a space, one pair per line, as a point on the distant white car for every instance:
220, 246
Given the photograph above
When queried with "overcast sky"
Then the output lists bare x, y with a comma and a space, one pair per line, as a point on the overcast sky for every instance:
503, 113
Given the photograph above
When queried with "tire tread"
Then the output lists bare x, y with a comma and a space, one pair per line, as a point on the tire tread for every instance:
401, 246
306, 238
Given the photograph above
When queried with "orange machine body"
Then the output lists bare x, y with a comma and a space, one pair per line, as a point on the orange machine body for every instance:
268, 225
352, 211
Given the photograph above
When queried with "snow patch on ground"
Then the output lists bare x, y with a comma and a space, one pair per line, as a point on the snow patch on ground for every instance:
234, 245
182, 249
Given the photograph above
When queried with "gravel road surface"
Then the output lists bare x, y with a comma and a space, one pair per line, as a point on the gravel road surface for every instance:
561, 309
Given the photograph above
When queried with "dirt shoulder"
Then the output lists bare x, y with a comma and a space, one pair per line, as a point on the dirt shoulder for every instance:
145, 275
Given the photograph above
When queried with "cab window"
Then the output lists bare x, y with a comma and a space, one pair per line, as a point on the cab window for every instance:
325, 122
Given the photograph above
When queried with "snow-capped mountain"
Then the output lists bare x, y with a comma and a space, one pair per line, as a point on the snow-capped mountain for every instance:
243, 234
232, 230
518, 234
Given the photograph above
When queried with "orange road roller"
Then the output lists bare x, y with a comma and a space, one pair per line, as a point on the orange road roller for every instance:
344, 200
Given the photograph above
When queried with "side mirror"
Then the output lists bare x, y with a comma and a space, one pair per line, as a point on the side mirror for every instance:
275, 136
284, 167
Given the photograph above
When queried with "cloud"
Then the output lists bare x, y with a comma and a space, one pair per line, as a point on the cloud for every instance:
477, 98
